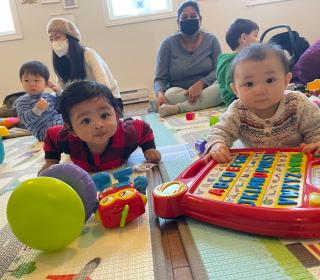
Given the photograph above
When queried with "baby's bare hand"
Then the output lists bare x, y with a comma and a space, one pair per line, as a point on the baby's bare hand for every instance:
220, 153
42, 104
310, 148
152, 155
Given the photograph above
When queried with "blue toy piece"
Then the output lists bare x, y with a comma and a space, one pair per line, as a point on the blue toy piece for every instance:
3, 132
1, 151
200, 145
141, 183
123, 177
102, 180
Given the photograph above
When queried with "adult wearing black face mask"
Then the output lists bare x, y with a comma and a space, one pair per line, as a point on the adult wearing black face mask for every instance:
186, 63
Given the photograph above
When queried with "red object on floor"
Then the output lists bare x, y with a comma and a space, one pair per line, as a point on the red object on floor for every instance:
190, 116
276, 197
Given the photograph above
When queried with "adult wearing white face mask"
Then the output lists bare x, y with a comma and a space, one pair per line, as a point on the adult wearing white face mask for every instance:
74, 62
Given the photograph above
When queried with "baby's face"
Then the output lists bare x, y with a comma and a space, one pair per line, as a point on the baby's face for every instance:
94, 121
248, 39
260, 85
33, 84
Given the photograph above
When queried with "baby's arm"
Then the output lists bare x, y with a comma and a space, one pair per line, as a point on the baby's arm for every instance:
222, 135
52, 147
219, 152
48, 163
27, 113
152, 155
309, 127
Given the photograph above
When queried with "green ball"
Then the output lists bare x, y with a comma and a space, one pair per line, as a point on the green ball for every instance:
45, 213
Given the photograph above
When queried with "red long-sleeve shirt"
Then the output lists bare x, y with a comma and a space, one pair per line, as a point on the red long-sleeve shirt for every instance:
129, 135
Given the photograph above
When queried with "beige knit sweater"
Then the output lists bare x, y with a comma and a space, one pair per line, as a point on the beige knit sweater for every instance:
296, 121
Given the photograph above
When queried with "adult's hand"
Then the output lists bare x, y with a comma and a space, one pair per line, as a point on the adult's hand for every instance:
195, 91
161, 98
53, 86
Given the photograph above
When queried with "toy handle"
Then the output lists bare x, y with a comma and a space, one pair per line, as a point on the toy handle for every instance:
195, 168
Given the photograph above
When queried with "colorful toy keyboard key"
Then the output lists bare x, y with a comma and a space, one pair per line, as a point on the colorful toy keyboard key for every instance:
263, 191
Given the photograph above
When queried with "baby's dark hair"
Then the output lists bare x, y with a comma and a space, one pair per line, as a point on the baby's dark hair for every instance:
80, 91
237, 28
34, 68
185, 4
259, 52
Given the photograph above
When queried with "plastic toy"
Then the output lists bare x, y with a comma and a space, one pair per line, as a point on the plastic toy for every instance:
200, 145
263, 191
3, 132
313, 91
190, 116
9, 122
314, 85
214, 119
79, 180
102, 180
122, 202
45, 213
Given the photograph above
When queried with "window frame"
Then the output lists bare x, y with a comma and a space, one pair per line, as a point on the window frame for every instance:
18, 32
109, 22
261, 2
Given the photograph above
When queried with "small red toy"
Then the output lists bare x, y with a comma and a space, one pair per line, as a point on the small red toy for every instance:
118, 206
190, 116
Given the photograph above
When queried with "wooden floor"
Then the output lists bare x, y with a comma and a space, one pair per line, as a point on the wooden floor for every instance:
173, 247
174, 250
172, 244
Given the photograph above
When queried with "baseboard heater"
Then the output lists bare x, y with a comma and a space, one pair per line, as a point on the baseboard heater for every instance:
135, 95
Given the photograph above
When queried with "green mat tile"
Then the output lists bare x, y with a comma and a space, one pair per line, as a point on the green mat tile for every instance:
229, 254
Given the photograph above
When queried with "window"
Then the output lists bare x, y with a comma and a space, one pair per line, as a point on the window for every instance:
9, 25
259, 2
126, 11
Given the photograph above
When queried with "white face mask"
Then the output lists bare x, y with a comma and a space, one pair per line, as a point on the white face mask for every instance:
60, 47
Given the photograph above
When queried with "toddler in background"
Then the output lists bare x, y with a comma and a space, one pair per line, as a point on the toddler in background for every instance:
36, 109
93, 134
265, 115
241, 33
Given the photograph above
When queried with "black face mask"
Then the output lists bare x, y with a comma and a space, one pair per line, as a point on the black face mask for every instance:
190, 26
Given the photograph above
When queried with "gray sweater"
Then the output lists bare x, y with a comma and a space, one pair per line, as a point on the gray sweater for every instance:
177, 67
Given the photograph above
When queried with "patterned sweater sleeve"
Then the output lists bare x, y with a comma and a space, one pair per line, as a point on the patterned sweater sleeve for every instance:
227, 130
26, 112
309, 115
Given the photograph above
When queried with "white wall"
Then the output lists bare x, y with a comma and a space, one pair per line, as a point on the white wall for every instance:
130, 49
